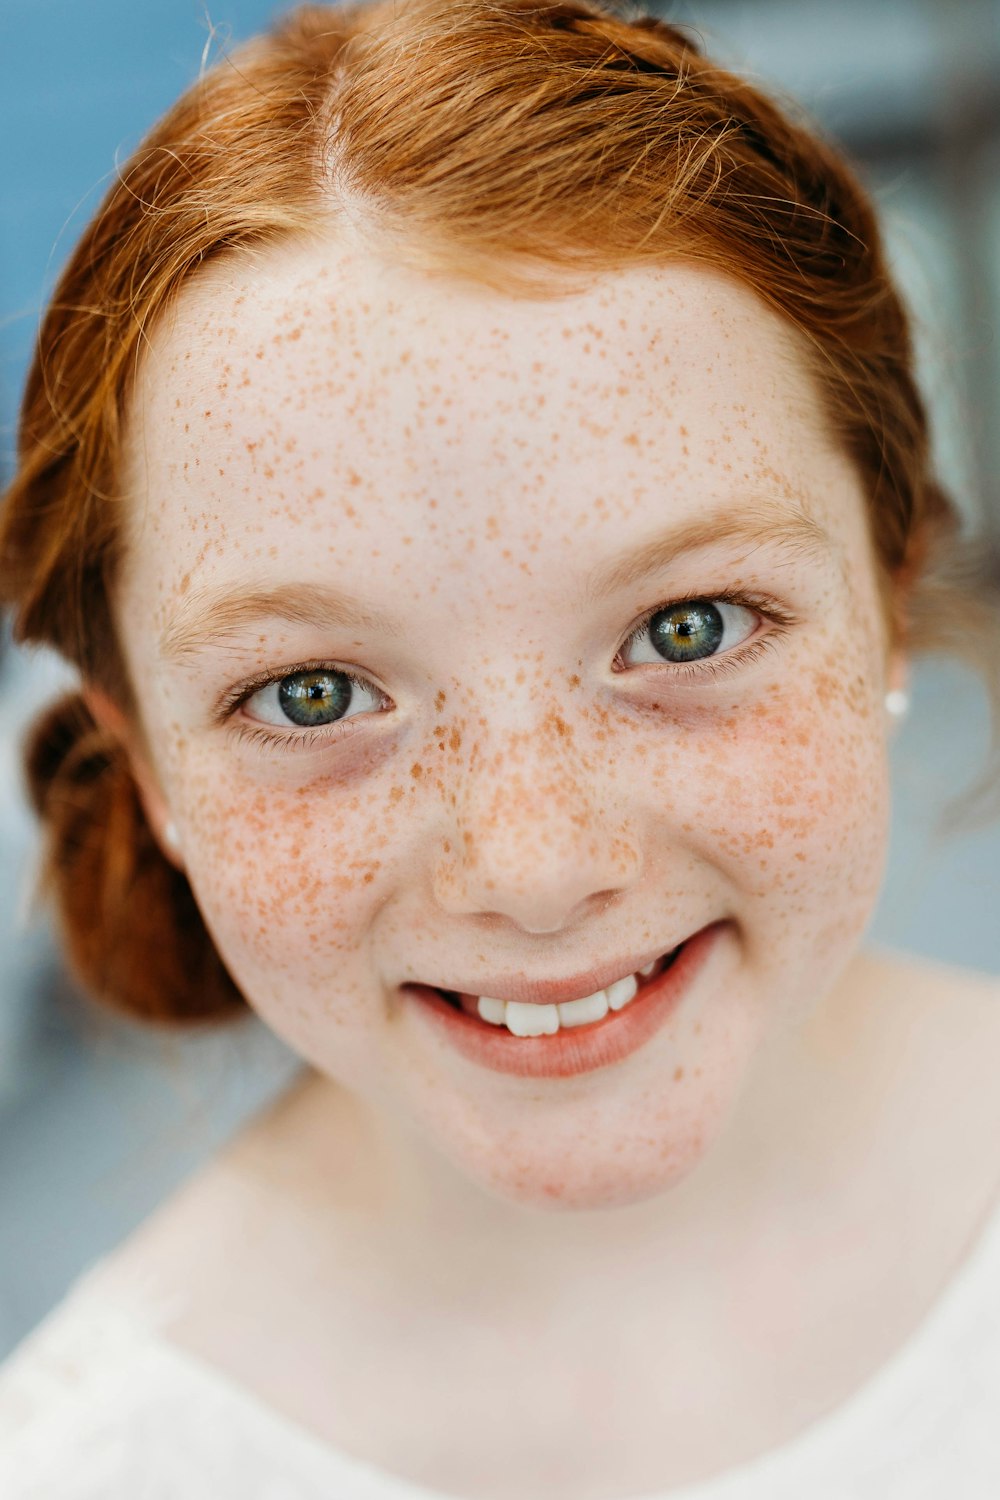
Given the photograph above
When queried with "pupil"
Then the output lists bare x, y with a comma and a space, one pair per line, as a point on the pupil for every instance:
685, 632
312, 698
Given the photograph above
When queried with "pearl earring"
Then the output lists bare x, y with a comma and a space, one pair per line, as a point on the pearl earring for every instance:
897, 703
171, 837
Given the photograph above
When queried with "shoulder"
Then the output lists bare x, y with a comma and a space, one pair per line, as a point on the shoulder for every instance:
61, 1386
904, 1012
930, 993
930, 974
935, 1019
935, 1043
911, 1049
94, 1405
208, 1228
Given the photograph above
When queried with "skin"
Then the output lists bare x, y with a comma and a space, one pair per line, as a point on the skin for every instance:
525, 800
463, 461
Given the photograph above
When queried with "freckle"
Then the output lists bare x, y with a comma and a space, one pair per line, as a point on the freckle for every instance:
678, 1074
416, 770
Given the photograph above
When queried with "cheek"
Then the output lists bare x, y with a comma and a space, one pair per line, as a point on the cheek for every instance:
287, 879
797, 808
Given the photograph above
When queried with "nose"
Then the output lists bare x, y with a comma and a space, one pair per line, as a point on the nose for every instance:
537, 835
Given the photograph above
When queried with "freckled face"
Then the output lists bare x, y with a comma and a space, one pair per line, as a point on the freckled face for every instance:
515, 784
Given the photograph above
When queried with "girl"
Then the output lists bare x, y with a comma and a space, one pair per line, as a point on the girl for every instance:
474, 462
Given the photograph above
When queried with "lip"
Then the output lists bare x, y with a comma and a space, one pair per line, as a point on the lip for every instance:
554, 991
576, 1049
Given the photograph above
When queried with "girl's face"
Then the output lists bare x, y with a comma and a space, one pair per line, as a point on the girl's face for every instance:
481, 641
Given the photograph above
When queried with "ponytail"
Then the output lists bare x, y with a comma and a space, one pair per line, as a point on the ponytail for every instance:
133, 936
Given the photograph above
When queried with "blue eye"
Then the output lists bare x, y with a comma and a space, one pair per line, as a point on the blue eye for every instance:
311, 699
691, 630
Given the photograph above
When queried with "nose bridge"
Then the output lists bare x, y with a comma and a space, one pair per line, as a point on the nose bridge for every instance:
538, 828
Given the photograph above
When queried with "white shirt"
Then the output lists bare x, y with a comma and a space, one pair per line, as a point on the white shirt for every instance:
96, 1405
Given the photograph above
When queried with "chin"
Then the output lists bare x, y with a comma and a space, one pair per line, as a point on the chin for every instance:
643, 1162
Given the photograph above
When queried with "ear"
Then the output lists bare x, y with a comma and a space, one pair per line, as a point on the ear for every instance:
110, 717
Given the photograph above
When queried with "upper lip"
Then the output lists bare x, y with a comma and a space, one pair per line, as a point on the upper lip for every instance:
528, 991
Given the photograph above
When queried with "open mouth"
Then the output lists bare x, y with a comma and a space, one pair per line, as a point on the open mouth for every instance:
575, 1036
531, 1020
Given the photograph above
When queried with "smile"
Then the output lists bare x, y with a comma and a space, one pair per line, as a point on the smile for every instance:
524, 1020
538, 1038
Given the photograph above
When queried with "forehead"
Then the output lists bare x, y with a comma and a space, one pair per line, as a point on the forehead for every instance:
317, 383
307, 317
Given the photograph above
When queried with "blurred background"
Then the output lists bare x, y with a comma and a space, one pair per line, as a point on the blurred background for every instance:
100, 1120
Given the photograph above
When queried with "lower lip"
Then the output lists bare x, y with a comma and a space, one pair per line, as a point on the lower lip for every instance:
578, 1049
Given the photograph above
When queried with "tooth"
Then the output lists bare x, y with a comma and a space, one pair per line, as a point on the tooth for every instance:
590, 1008
492, 1010
622, 991
648, 969
545, 1020
531, 1020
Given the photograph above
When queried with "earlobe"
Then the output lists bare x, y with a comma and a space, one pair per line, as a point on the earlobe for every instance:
897, 697
110, 717
897, 677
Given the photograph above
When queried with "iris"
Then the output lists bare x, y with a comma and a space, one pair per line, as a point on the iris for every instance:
685, 632
312, 698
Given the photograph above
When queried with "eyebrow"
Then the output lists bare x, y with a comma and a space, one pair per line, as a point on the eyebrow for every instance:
209, 618
764, 523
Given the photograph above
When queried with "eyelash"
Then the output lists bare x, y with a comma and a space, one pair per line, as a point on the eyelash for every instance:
258, 734
717, 666
730, 661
